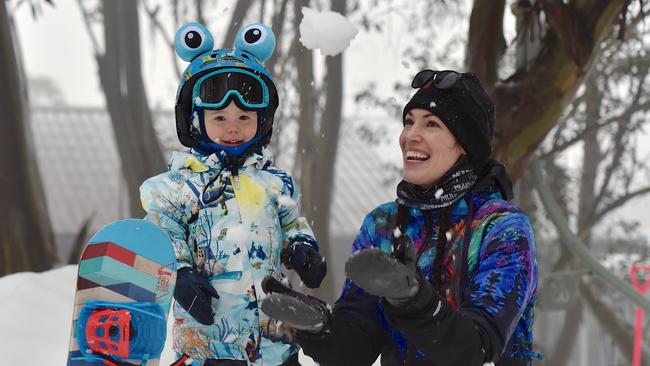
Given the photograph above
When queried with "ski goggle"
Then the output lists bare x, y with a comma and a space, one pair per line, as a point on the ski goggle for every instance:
215, 89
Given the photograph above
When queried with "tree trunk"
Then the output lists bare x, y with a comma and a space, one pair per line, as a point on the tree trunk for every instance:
586, 208
330, 126
592, 157
531, 101
238, 14
567, 336
307, 149
121, 79
26, 239
317, 142
485, 48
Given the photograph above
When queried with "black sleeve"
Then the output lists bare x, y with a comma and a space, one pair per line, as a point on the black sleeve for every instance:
353, 338
436, 333
498, 292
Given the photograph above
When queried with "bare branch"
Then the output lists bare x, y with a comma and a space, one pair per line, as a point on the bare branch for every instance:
86, 18
617, 203
153, 17
618, 138
578, 137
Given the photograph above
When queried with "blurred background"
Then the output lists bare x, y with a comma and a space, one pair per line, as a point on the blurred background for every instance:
87, 90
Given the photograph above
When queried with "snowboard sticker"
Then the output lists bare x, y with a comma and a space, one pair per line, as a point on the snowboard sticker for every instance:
125, 287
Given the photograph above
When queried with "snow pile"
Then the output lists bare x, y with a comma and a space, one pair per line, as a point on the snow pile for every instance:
328, 31
36, 316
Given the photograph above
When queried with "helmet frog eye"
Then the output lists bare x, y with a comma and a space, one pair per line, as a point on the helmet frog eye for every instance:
257, 39
192, 40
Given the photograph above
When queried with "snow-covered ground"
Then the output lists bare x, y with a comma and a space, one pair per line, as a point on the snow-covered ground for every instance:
35, 318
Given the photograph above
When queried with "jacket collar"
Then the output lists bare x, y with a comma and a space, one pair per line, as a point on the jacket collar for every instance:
197, 162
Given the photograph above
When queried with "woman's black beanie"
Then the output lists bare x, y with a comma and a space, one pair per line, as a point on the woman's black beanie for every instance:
467, 111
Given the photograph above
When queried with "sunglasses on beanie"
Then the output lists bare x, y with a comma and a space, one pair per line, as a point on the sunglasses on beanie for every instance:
443, 80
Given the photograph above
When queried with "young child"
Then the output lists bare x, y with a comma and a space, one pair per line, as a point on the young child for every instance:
232, 216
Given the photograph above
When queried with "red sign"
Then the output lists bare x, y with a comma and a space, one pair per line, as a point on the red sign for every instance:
640, 275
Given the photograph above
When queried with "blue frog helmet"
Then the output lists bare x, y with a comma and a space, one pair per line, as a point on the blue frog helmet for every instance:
216, 77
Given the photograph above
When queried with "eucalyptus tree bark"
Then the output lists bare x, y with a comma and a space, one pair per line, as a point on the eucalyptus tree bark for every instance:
330, 127
121, 79
591, 160
532, 99
26, 239
318, 137
277, 22
484, 49
307, 149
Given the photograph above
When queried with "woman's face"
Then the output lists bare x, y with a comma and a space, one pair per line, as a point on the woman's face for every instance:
429, 149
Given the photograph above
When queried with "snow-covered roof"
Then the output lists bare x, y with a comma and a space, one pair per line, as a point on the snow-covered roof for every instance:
79, 165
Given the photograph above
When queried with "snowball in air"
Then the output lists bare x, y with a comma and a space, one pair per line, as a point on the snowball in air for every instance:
328, 31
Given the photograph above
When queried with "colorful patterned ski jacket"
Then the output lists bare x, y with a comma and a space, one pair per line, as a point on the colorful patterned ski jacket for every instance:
232, 230
487, 311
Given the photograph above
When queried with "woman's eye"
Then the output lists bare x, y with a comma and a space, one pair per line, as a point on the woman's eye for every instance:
408, 122
433, 124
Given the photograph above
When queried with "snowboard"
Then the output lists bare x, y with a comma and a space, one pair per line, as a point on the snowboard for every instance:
125, 287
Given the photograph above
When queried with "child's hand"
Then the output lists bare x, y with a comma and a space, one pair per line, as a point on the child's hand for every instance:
307, 262
194, 293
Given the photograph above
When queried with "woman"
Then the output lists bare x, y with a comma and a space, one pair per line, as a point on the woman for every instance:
447, 274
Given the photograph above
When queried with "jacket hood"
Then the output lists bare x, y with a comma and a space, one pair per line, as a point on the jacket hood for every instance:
494, 178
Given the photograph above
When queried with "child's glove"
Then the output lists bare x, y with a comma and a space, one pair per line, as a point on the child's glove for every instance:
395, 278
307, 262
194, 292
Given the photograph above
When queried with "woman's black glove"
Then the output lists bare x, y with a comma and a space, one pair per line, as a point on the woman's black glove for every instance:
394, 278
308, 263
194, 293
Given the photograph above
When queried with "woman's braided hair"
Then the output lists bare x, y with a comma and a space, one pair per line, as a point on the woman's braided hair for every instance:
441, 246
441, 242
